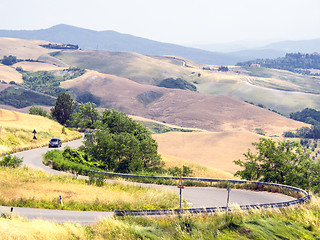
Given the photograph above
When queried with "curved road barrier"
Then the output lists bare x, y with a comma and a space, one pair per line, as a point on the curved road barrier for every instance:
203, 199
212, 209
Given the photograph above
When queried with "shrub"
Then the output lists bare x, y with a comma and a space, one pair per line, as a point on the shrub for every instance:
176, 171
96, 178
11, 161
9, 60
37, 111
177, 83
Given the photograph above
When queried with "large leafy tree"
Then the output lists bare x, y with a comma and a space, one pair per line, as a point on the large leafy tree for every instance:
86, 117
279, 162
121, 144
63, 109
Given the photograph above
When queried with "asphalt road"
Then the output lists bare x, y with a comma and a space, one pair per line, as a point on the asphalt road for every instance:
197, 197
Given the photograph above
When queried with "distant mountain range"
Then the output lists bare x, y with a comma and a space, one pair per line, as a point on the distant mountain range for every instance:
114, 41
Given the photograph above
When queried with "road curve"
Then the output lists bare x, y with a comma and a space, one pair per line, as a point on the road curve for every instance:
197, 197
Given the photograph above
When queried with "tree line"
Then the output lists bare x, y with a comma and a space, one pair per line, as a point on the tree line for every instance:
294, 62
310, 116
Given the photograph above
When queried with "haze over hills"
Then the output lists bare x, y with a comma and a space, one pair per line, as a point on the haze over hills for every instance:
114, 41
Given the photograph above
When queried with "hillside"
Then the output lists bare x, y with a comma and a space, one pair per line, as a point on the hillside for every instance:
290, 91
16, 131
212, 149
295, 62
178, 107
8, 74
126, 82
22, 48
114, 41
282, 91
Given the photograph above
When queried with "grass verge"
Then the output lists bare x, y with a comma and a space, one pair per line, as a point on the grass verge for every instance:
24, 187
302, 222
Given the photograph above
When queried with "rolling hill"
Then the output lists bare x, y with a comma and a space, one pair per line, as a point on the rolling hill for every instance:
126, 82
114, 41
17, 131
278, 90
178, 107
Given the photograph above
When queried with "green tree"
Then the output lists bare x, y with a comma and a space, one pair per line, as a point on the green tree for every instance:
9, 60
63, 109
123, 145
37, 111
89, 114
283, 162
86, 117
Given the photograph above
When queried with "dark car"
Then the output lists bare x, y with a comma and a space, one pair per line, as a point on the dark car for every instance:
55, 142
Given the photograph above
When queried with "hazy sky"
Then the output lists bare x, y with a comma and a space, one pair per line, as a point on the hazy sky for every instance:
174, 21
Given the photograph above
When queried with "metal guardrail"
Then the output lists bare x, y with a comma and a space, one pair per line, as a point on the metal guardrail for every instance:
211, 209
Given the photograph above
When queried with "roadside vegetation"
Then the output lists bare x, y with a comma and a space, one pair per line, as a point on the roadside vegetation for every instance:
300, 222
24, 187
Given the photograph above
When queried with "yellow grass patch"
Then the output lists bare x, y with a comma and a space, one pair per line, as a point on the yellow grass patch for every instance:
32, 184
9, 74
19, 228
37, 66
213, 150
22, 48
198, 169
16, 131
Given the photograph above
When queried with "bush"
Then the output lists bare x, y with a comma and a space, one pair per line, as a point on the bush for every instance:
176, 171
56, 160
9, 60
37, 111
96, 178
177, 84
11, 161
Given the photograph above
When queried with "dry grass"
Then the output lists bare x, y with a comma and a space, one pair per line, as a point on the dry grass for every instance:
22, 48
9, 74
28, 184
213, 150
19, 228
181, 108
16, 131
198, 169
37, 66
301, 222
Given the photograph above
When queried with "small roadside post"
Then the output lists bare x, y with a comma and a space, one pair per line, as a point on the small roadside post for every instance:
228, 189
180, 185
61, 201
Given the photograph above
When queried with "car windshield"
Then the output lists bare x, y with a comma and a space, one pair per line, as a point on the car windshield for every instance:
54, 140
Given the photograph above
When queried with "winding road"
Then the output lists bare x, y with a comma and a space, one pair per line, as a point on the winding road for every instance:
197, 197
